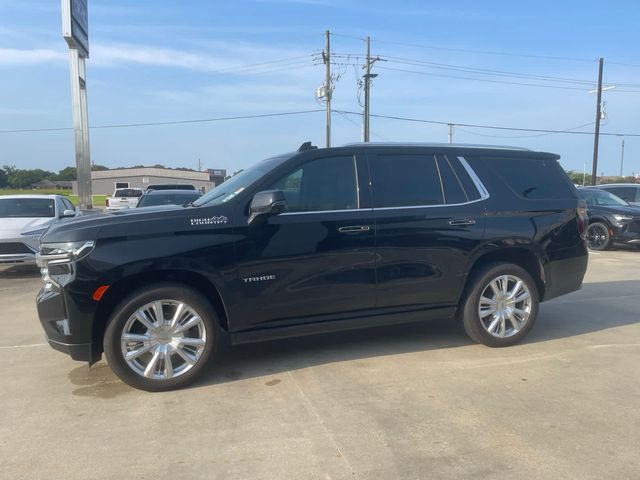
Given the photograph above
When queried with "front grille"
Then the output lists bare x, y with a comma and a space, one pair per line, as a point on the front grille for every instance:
14, 248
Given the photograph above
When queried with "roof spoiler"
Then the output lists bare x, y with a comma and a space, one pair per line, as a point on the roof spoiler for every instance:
306, 146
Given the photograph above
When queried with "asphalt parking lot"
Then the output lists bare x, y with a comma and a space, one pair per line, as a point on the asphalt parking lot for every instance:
415, 402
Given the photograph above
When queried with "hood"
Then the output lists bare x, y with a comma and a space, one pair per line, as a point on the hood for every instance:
616, 210
14, 227
129, 222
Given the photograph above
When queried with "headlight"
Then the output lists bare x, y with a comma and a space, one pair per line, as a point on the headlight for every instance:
55, 253
622, 218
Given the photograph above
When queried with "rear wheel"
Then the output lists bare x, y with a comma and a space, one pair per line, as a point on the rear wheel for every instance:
598, 236
501, 305
160, 338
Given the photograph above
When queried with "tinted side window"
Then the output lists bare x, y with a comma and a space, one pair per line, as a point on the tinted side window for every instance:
453, 190
322, 184
532, 178
626, 193
405, 180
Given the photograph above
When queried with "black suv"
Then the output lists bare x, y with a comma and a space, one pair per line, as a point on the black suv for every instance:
315, 241
611, 219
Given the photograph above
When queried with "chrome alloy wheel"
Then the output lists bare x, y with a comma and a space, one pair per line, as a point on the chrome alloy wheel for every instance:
163, 339
505, 306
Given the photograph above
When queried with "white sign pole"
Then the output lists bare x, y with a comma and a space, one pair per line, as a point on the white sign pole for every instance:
75, 32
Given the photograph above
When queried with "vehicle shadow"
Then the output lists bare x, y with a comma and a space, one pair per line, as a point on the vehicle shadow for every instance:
596, 307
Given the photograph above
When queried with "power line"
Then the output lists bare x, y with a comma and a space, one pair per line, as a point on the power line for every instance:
523, 136
417, 72
484, 71
487, 52
493, 127
173, 122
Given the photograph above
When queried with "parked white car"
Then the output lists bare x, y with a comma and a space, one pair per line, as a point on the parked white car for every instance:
23, 218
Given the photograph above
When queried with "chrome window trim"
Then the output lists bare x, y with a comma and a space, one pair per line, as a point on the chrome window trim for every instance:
484, 193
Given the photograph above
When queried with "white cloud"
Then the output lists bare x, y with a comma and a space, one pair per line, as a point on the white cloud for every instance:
36, 56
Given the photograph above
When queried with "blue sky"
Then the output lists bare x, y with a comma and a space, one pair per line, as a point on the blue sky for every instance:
165, 60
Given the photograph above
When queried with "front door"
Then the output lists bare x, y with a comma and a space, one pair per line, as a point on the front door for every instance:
315, 262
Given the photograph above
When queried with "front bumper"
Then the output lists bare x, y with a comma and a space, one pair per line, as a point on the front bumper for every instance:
67, 322
627, 233
77, 351
12, 259
18, 251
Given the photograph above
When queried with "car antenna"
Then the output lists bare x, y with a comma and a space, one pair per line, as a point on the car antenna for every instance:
306, 146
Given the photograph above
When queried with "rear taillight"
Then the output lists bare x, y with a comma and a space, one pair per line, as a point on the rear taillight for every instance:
583, 219
106, 202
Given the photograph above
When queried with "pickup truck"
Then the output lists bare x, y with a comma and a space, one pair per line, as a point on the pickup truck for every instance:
123, 198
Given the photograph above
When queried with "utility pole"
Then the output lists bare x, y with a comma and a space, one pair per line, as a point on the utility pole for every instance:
327, 82
367, 75
596, 139
622, 157
367, 90
450, 132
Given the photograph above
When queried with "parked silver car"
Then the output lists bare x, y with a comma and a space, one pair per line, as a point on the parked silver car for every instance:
23, 218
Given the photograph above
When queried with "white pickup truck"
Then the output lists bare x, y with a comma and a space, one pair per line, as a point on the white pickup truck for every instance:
123, 198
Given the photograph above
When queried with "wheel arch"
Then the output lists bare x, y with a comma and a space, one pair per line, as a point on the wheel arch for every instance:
524, 256
130, 284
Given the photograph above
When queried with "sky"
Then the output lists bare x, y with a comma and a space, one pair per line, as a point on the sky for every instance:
155, 61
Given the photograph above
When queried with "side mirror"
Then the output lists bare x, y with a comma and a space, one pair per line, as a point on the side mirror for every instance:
68, 214
266, 203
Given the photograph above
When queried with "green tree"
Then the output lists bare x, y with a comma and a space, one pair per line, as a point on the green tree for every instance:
577, 177
68, 173
20, 178
3, 178
99, 168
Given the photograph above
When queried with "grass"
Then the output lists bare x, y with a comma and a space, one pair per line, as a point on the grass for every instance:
98, 200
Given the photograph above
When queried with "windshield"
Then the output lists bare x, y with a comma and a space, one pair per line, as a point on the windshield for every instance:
167, 199
602, 198
128, 192
240, 182
27, 208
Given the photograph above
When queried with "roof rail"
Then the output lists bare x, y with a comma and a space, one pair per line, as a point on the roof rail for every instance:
306, 146
429, 144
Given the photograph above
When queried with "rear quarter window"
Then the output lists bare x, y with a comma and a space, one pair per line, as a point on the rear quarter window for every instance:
533, 178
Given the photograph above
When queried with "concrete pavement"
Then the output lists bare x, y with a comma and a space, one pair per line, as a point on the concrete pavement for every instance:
415, 402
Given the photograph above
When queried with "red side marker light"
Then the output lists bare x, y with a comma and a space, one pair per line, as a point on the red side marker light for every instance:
97, 295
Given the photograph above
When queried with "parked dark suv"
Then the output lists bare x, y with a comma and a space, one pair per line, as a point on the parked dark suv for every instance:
611, 219
315, 241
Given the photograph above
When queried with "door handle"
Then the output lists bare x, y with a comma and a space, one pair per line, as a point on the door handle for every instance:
354, 229
461, 222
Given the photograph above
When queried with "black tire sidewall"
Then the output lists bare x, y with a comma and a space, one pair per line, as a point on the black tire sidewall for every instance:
123, 312
471, 318
607, 243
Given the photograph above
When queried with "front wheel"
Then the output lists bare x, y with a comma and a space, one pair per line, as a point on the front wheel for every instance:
501, 305
160, 338
598, 236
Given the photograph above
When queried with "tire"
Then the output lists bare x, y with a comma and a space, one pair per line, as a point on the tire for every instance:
598, 236
490, 328
179, 347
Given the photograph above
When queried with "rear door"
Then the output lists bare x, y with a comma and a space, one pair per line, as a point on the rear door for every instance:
429, 218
